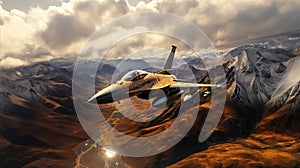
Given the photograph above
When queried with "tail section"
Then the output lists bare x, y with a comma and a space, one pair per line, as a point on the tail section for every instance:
169, 62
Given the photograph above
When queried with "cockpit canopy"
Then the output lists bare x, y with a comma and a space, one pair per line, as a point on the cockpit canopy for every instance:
134, 75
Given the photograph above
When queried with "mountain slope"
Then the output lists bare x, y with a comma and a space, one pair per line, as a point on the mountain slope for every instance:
259, 126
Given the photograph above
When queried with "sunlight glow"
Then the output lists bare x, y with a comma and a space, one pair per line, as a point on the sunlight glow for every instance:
110, 153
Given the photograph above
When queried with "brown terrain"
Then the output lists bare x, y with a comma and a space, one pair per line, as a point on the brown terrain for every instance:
260, 124
38, 126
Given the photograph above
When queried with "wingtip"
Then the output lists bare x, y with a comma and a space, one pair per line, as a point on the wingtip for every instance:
91, 100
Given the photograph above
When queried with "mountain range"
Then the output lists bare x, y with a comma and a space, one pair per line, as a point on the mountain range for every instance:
260, 124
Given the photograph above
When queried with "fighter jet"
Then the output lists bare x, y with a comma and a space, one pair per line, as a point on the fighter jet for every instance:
148, 85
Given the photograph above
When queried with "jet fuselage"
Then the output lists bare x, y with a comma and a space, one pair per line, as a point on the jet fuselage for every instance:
142, 82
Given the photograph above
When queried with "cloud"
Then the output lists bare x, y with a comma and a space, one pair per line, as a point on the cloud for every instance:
10, 62
229, 21
1, 21
78, 21
62, 30
29, 54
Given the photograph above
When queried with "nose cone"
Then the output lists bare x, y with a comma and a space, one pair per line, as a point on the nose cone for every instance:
105, 95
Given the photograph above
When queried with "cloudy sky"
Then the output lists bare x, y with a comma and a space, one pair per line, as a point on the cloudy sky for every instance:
34, 30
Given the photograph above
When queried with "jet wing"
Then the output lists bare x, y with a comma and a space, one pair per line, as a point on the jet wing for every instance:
189, 85
154, 87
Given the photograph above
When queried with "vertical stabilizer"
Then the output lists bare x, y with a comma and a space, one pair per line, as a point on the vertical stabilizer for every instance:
169, 62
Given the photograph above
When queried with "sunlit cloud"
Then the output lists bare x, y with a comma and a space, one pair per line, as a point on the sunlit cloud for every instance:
60, 29
12, 62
